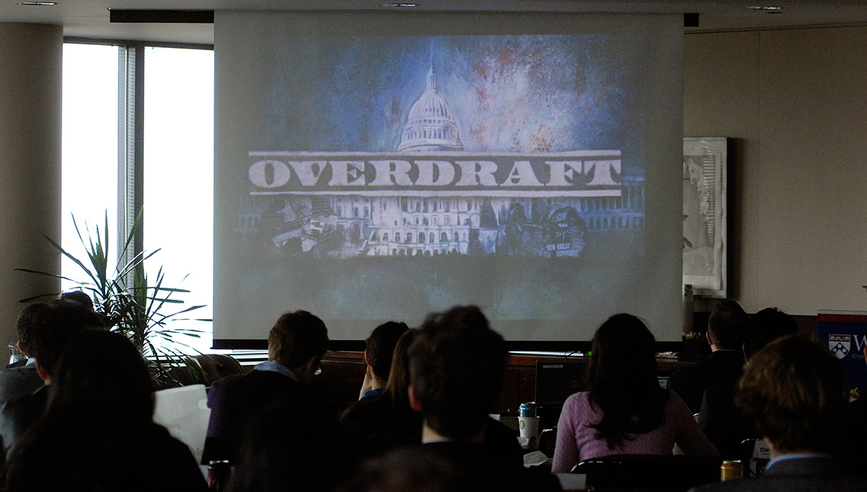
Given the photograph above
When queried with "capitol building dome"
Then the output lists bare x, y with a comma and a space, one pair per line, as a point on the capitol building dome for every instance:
430, 125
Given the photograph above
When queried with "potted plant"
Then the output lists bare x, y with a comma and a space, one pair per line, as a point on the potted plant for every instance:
130, 303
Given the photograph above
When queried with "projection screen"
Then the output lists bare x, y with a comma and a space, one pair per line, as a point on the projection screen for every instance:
381, 166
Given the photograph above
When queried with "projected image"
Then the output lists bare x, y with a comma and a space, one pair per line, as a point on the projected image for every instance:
505, 146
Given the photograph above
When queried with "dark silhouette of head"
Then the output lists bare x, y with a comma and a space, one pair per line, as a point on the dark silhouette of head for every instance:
766, 326
796, 392
456, 371
379, 347
726, 325
77, 296
55, 327
296, 338
102, 376
622, 379
30, 317
409, 469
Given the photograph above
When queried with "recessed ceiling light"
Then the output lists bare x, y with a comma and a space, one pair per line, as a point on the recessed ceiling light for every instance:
37, 4
775, 9
399, 4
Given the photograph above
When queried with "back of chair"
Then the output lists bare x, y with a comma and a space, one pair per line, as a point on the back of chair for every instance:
649, 472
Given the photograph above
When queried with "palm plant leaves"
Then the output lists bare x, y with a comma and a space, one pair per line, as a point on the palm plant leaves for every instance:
128, 304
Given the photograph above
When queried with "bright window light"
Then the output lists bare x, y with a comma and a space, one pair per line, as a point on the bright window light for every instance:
178, 175
89, 149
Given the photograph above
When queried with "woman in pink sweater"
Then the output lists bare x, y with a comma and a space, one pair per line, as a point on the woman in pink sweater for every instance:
624, 410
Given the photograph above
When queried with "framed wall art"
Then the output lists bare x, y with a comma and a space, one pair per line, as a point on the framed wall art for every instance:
704, 215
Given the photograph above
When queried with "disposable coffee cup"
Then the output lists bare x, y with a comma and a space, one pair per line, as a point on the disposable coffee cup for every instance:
529, 428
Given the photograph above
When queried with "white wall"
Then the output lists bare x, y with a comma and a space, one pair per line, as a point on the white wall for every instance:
796, 103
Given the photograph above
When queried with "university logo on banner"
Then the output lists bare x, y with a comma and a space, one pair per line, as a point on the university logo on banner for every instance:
839, 345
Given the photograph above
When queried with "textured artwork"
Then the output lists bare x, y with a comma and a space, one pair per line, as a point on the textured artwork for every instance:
704, 215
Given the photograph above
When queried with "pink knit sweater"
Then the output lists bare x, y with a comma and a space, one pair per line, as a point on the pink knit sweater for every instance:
577, 441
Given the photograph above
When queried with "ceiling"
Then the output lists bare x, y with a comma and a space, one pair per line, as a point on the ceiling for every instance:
90, 18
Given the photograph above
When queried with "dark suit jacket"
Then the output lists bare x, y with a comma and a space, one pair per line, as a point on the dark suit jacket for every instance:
17, 415
19, 381
236, 400
723, 422
795, 475
690, 382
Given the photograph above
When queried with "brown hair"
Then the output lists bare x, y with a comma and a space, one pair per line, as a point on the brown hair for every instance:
380, 347
457, 364
296, 337
795, 390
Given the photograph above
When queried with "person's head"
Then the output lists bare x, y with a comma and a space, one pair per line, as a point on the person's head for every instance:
290, 446
25, 325
59, 323
725, 327
77, 296
795, 390
622, 379
298, 341
766, 326
408, 469
622, 354
103, 377
398, 378
379, 348
457, 365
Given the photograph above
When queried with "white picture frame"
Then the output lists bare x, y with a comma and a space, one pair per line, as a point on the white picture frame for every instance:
705, 215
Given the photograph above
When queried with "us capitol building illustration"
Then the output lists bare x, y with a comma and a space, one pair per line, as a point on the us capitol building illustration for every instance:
351, 226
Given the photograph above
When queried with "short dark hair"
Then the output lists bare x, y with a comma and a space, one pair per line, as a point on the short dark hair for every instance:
766, 326
77, 296
380, 347
57, 325
296, 337
456, 369
726, 325
25, 325
796, 391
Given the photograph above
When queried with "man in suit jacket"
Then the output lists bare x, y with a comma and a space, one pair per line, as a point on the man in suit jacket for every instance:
296, 345
53, 324
22, 379
722, 422
725, 336
796, 392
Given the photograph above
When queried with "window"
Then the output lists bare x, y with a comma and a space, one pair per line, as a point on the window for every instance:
157, 155
90, 145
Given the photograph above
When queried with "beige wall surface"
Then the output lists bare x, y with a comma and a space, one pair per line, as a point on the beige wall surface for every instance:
30, 120
795, 103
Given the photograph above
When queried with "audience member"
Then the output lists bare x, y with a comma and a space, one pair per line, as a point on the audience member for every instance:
722, 422
289, 447
22, 379
624, 411
457, 365
374, 425
408, 469
53, 327
378, 352
796, 393
296, 345
725, 336
98, 432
